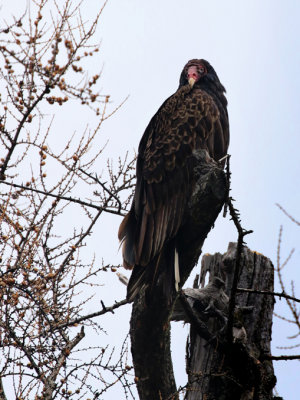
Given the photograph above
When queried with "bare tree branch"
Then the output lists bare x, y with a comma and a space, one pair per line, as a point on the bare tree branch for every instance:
264, 292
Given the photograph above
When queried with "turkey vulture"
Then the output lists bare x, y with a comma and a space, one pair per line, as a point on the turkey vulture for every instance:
194, 117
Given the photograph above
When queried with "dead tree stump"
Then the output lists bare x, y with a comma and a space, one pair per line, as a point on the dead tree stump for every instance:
240, 370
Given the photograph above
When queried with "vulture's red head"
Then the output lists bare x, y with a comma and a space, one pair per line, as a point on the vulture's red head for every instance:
200, 73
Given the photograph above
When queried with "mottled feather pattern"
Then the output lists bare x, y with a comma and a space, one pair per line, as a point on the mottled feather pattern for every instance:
179, 126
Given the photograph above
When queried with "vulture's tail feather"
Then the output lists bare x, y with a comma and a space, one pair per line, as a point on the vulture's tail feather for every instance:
162, 272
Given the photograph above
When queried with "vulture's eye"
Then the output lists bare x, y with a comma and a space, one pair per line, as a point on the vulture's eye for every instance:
201, 69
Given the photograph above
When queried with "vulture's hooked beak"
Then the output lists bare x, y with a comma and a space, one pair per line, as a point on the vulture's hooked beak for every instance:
191, 81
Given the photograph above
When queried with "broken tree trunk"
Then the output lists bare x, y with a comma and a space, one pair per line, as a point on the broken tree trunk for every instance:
219, 370
150, 322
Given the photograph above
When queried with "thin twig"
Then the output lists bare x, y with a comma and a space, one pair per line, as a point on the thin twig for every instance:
93, 315
240, 243
95, 179
280, 358
66, 198
19, 129
228, 175
279, 294
287, 214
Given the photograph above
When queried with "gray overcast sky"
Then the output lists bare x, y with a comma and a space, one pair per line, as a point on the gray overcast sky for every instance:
254, 47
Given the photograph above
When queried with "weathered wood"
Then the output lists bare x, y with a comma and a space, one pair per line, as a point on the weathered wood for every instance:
149, 325
236, 370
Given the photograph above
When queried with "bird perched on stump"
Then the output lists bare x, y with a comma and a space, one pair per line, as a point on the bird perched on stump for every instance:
194, 117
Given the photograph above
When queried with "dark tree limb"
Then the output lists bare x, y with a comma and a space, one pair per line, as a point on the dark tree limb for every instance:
150, 323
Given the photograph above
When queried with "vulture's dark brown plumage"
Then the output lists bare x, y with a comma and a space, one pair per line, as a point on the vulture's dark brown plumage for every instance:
195, 117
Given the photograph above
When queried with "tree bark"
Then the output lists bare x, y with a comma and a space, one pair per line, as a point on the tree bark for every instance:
150, 322
238, 370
